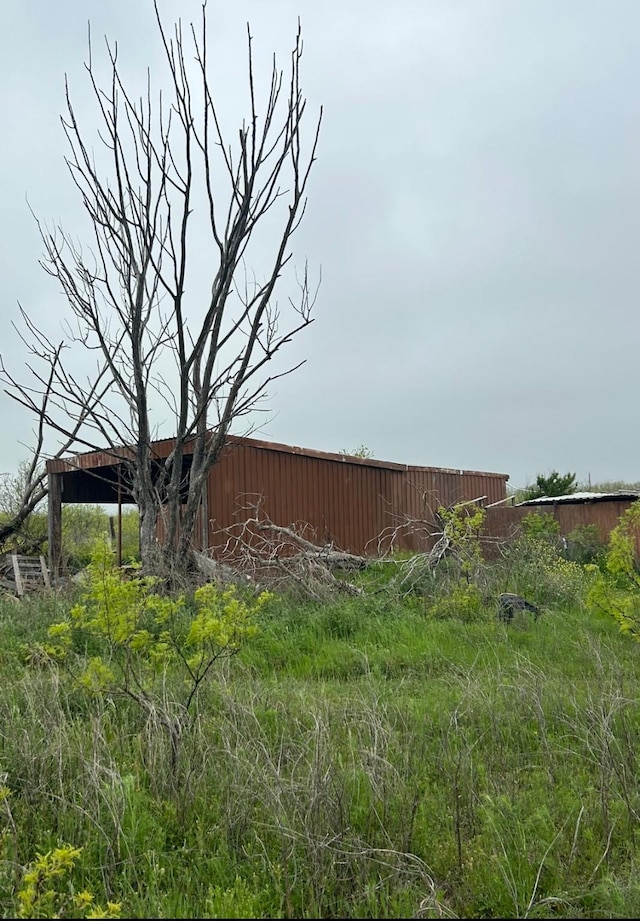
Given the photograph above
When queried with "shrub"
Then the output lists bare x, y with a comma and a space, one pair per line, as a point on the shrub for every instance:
138, 634
463, 601
584, 544
83, 525
42, 896
540, 526
538, 570
616, 590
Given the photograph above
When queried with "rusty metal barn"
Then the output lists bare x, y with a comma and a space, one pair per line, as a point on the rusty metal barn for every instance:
571, 511
348, 501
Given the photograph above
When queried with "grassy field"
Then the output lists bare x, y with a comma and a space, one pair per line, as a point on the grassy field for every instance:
398, 754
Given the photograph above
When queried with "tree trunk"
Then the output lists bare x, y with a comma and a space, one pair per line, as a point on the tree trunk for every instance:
179, 553
148, 536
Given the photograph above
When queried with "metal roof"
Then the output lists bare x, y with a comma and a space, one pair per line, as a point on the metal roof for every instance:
576, 497
90, 460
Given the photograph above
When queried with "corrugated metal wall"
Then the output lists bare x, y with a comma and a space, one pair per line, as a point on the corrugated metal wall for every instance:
500, 523
349, 501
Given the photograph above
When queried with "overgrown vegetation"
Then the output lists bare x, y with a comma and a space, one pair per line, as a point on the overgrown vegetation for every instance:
396, 753
616, 590
82, 526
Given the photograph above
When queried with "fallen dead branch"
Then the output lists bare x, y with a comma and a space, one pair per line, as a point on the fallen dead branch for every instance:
451, 533
221, 573
284, 559
290, 559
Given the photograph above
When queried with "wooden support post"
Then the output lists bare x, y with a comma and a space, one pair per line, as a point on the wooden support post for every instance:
54, 483
204, 511
119, 518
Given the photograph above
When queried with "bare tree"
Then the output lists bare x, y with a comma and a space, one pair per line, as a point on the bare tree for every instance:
23, 492
163, 160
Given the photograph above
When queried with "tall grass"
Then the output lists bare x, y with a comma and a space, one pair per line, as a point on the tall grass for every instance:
373, 757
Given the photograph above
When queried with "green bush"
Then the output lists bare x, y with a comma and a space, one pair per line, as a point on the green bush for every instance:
584, 544
537, 569
139, 635
540, 526
31, 536
83, 525
616, 587
462, 601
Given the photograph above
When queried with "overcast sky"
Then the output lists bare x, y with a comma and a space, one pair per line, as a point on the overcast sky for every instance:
474, 209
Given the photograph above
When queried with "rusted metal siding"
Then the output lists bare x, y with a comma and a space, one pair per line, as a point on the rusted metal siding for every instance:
501, 523
347, 501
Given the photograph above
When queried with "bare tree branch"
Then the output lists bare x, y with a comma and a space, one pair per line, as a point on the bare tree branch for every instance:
130, 297
285, 557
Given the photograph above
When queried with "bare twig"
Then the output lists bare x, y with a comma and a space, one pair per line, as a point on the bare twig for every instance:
284, 557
